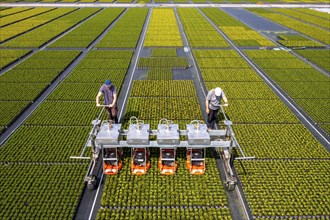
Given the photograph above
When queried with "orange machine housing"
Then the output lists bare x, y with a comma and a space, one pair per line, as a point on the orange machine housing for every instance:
167, 169
195, 168
140, 163
112, 168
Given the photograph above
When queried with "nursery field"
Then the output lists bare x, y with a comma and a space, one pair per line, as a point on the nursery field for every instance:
163, 61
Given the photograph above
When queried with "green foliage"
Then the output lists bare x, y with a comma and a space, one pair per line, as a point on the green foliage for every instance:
162, 88
321, 22
9, 56
313, 12
235, 74
278, 141
160, 74
216, 54
297, 90
19, 92
64, 113
308, 87
165, 213
222, 63
9, 11
86, 75
109, 54
40, 191
22, 15
173, 108
239, 33
319, 57
163, 62
176, 190
50, 30
325, 127
110, 64
23, 26
243, 90
296, 41
163, 29
83, 35
162, 52
286, 188
319, 109
199, 31
9, 110
99, 65
259, 111
78, 91
297, 75
317, 33
126, 31
45, 144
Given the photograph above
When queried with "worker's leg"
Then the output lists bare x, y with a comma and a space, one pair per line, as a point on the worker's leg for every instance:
212, 118
114, 113
215, 118
108, 110
210, 122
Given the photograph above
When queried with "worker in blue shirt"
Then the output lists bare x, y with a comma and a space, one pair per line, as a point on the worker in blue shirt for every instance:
110, 99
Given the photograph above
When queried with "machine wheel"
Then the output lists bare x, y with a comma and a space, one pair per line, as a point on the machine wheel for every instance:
230, 184
91, 183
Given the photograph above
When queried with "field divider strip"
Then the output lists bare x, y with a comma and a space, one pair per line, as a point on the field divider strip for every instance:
17, 12
165, 207
42, 47
26, 18
17, 35
309, 123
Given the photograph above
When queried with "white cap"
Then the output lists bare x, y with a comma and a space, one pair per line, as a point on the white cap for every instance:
217, 91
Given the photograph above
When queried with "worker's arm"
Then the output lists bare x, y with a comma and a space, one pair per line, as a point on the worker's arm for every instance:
224, 99
98, 99
207, 106
114, 100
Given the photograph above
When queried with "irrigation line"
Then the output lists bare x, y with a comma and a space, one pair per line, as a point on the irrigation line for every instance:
136, 62
267, 80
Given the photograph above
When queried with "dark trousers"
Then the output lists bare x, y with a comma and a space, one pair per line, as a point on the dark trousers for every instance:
212, 118
112, 113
